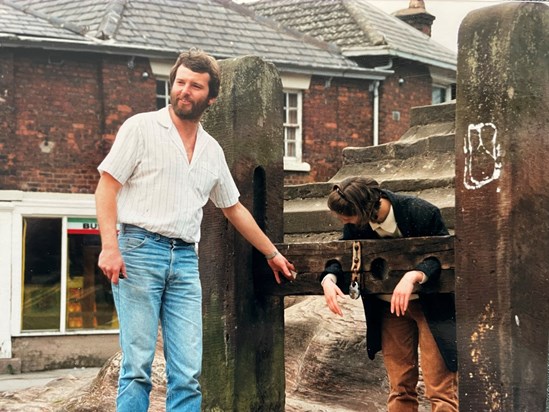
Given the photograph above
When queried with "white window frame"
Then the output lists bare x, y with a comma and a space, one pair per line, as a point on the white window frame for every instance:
161, 70
166, 95
295, 83
447, 92
294, 163
14, 206
442, 79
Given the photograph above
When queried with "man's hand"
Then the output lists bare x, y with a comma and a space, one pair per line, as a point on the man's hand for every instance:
403, 290
110, 260
244, 222
111, 263
331, 292
279, 264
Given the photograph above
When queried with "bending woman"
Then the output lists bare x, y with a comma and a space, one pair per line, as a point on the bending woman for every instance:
399, 323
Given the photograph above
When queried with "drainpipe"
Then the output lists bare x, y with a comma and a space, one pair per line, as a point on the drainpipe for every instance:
376, 102
376, 113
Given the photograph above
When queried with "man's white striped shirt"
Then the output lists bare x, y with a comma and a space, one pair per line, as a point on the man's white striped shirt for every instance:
161, 191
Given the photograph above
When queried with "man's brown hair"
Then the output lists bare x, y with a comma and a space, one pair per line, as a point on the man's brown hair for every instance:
200, 62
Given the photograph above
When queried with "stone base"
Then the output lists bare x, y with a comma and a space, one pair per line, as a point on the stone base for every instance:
10, 366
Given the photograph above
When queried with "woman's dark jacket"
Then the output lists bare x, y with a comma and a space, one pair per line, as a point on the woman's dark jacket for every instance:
415, 218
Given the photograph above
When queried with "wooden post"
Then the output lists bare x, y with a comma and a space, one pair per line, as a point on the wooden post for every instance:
243, 332
502, 208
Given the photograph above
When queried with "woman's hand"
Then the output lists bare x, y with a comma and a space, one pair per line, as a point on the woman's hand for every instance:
331, 292
403, 290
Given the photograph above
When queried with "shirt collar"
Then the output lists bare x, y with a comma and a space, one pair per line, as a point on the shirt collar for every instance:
163, 118
388, 225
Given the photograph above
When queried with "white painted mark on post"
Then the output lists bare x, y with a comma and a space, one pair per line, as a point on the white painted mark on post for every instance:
482, 155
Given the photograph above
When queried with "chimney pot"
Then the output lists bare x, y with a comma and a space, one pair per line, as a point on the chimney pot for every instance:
416, 16
416, 4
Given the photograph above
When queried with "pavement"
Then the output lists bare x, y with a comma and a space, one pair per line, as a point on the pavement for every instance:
14, 383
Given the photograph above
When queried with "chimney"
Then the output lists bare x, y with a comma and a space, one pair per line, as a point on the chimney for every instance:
416, 16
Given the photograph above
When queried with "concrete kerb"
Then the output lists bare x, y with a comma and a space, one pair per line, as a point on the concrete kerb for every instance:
21, 381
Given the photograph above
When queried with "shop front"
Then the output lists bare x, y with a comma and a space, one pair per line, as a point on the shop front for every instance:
51, 288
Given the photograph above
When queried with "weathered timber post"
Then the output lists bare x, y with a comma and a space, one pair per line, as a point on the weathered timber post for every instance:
502, 208
243, 332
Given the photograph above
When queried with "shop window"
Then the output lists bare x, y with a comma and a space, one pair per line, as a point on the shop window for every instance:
64, 297
41, 274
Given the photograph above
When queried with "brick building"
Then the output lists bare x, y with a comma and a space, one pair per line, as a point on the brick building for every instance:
338, 113
71, 71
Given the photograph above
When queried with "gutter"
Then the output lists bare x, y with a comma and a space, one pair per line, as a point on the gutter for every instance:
91, 45
385, 51
352, 73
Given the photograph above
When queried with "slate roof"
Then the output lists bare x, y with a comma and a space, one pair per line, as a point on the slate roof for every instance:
358, 28
14, 22
165, 27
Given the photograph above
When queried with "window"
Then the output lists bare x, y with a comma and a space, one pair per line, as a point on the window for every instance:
439, 95
162, 94
292, 123
292, 131
442, 94
41, 274
444, 85
63, 289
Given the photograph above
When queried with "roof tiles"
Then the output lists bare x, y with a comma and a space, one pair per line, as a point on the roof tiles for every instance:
321, 32
221, 28
357, 27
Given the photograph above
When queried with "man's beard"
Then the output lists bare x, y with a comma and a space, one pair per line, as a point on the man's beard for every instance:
194, 113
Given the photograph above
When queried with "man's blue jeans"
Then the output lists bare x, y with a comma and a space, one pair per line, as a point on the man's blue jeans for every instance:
162, 284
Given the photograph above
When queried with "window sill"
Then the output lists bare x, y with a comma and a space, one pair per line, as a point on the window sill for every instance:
294, 165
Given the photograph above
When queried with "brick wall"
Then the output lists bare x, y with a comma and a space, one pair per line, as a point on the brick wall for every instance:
7, 115
65, 109
415, 90
59, 113
338, 113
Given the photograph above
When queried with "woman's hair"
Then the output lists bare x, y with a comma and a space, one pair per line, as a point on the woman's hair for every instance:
200, 62
356, 196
